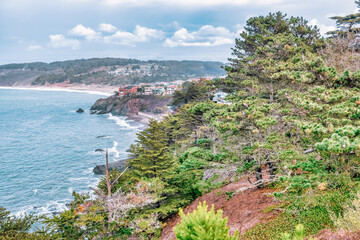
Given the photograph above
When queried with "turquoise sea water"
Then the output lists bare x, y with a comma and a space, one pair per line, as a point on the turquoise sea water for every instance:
47, 150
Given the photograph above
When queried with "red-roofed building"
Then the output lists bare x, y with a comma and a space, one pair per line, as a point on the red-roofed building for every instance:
127, 90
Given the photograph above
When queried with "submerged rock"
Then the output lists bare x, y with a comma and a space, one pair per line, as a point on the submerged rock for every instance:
102, 136
118, 165
80, 110
99, 150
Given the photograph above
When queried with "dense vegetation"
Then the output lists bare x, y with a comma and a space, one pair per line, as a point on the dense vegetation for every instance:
104, 71
292, 111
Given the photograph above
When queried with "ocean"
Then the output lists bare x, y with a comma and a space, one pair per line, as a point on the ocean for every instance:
47, 150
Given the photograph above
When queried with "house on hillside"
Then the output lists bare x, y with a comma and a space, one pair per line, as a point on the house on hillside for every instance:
159, 90
171, 89
149, 90
127, 90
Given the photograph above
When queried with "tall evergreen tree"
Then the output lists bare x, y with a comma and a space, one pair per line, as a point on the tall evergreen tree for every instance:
347, 24
272, 52
150, 155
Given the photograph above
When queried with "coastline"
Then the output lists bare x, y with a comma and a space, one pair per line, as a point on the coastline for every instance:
101, 90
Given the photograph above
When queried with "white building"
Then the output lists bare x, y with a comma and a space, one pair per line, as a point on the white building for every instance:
171, 89
148, 90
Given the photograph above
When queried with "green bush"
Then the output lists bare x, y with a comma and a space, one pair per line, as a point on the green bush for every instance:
203, 225
298, 235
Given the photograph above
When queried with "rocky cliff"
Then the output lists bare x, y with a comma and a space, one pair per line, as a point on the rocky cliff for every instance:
141, 107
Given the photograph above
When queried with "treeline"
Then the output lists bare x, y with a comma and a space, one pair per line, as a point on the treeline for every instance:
97, 71
293, 111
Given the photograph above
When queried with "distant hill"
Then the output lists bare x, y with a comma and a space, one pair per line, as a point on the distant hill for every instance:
107, 71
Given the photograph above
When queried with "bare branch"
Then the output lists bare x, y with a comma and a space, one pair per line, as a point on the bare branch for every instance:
309, 151
113, 182
107, 174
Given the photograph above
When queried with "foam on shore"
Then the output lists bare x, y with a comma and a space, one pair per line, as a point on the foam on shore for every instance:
59, 90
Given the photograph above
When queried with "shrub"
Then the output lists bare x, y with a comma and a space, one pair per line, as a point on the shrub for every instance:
298, 235
203, 224
351, 216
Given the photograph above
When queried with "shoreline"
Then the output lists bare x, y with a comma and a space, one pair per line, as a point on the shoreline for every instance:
102, 90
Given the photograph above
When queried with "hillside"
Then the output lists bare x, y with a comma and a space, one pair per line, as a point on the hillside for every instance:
106, 71
280, 156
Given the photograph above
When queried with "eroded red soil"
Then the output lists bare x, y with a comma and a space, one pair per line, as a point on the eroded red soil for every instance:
244, 210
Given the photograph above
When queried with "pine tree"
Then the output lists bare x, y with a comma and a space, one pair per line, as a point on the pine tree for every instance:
150, 155
347, 24
274, 51
203, 225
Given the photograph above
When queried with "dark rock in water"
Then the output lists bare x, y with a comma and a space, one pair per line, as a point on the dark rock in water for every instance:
80, 110
102, 136
118, 165
94, 111
99, 150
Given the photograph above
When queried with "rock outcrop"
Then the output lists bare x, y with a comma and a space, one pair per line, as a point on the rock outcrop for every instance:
131, 106
118, 165
80, 110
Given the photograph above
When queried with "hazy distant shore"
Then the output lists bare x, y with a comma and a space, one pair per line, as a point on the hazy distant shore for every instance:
91, 89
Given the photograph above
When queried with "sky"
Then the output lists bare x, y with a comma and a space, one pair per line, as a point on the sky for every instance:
56, 30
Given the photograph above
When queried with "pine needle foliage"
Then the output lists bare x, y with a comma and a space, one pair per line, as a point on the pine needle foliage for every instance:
150, 155
203, 225
298, 235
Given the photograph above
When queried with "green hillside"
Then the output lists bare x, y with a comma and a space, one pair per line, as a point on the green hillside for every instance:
290, 127
107, 71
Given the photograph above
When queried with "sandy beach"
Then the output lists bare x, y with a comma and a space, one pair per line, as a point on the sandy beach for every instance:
103, 90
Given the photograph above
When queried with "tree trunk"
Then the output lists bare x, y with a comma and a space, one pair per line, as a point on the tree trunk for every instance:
258, 175
214, 147
107, 174
271, 91
272, 170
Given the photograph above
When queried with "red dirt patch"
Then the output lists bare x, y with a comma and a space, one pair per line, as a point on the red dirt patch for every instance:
326, 234
244, 210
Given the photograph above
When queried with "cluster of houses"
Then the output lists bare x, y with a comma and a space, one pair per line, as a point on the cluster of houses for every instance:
151, 88
163, 88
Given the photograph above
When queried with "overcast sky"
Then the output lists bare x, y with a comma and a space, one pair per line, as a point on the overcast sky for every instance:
51, 30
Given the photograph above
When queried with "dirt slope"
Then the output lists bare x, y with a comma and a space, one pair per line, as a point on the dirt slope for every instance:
244, 210
326, 234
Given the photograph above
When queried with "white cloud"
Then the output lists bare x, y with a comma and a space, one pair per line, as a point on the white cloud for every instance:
60, 41
140, 34
82, 31
206, 36
323, 28
34, 47
106, 27
199, 3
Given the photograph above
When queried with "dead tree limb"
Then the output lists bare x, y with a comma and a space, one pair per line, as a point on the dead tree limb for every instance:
107, 174
113, 182
309, 151
257, 184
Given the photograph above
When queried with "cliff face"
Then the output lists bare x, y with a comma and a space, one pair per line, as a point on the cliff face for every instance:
133, 106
